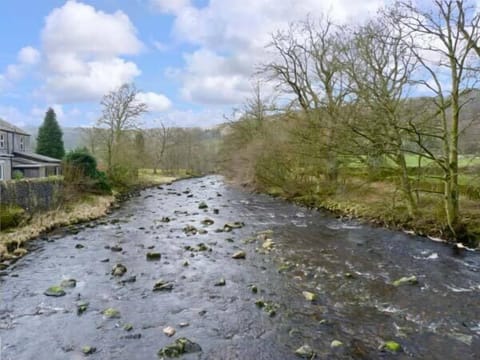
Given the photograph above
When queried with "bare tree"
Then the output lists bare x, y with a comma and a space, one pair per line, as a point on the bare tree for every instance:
380, 65
158, 139
121, 111
445, 57
92, 138
307, 65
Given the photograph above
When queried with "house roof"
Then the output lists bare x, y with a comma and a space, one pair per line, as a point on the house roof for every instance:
6, 126
36, 157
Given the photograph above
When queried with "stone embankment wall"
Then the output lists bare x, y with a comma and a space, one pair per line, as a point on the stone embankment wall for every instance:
32, 195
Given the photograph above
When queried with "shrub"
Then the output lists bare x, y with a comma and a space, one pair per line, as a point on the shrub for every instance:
80, 171
17, 175
123, 176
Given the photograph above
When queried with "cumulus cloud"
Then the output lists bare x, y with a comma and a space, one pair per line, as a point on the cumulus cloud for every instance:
213, 79
83, 49
155, 102
27, 58
231, 36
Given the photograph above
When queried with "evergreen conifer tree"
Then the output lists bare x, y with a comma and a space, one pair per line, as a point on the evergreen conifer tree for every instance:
50, 137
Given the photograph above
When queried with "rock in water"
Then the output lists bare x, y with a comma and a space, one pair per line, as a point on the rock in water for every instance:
162, 286
309, 296
82, 306
268, 244
169, 331
391, 346
151, 256
410, 280
239, 255
116, 248
305, 352
111, 313
119, 270
207, 222
55, 291
336, 344
68, 283
88, 350
179, 347
221, 282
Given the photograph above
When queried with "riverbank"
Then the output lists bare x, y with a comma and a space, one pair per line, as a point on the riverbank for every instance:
378, 204
89, 207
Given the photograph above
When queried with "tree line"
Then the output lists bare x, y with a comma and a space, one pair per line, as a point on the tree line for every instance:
125, 147
396, 94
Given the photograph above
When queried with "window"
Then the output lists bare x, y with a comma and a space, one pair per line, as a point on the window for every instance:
22, 143
2, 141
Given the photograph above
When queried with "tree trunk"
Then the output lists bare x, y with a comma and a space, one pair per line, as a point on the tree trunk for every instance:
406, 186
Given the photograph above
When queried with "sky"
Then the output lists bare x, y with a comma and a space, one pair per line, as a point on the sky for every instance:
193, 61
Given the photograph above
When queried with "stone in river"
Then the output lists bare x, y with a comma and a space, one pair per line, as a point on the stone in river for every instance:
305, 352
169, 331
239, 255
151, 256
55, 291
309, 296
68, 283
119, 270
410, 280
391, 346
221, 282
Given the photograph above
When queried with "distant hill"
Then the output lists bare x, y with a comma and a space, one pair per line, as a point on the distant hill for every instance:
72, 137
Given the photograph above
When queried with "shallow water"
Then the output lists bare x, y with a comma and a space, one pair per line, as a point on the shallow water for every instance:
437, 319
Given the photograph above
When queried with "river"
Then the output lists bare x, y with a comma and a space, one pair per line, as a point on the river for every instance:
348, 266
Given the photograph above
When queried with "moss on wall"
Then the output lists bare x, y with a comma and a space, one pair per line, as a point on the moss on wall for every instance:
10, 216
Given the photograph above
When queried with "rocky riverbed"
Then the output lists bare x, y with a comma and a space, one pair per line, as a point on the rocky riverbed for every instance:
204, 271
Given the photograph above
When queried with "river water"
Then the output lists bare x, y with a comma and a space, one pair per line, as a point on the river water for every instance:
350, 268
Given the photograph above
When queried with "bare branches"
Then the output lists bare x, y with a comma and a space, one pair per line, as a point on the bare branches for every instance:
122, 109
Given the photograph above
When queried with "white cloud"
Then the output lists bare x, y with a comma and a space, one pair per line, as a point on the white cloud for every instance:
213, 79
160, 46
15, 116
231, 36
27, 58
91, 80
155, 102
82, 48
170, 6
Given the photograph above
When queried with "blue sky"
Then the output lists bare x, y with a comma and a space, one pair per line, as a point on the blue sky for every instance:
193, 60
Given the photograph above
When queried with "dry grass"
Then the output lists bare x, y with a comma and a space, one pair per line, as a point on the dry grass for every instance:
87, 209
147, 177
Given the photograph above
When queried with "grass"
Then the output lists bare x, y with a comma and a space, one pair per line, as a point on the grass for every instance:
87, 208
380, 202
147, 177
